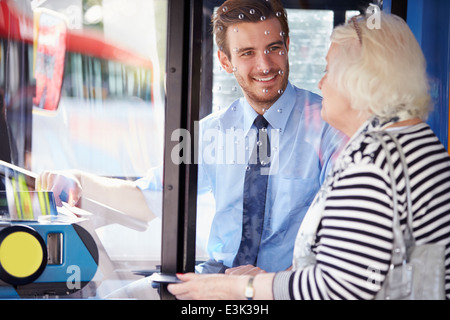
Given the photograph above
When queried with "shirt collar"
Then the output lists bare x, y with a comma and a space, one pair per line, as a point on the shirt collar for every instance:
277, 115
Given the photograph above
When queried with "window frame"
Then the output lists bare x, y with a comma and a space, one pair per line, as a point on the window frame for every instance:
182, 110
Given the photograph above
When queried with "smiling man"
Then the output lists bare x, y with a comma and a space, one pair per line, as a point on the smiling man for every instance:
258, 58
259, 208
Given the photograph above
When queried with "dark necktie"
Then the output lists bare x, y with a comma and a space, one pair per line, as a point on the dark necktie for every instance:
255, 187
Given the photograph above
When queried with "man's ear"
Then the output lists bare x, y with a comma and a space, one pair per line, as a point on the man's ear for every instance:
224, 61
287, 43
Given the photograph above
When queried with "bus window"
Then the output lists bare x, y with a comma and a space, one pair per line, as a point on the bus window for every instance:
107, 121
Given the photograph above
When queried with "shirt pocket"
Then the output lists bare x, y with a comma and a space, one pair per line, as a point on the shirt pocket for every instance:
290, 199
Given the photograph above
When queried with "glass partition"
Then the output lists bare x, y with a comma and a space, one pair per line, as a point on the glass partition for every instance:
82, 86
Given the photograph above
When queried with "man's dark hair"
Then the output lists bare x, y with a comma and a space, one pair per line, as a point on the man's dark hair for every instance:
237, 11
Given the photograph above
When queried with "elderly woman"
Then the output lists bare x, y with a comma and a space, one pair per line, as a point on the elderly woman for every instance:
375, 81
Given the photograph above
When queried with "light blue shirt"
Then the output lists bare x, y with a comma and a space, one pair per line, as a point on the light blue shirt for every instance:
302, 151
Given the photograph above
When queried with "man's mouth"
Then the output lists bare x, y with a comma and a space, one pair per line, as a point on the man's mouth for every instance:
264, 79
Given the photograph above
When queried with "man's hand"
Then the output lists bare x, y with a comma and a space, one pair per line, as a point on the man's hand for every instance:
65, 185
247, 270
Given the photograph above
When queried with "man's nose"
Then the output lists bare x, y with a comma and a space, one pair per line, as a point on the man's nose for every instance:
264, 62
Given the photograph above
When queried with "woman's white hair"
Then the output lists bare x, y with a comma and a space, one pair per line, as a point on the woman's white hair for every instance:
382, 71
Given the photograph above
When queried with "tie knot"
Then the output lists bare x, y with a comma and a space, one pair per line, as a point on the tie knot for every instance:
260, 122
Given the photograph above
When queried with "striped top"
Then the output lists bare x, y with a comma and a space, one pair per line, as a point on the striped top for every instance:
354, 238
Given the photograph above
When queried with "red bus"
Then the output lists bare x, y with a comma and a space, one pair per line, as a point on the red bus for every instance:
93, 99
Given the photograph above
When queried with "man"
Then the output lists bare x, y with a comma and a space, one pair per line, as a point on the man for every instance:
253, 41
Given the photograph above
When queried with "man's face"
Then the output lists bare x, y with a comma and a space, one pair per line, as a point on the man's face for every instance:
259, 60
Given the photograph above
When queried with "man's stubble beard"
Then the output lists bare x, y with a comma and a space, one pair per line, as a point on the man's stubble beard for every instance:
264, 99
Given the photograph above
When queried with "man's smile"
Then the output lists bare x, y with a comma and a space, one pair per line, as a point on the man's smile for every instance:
265, 79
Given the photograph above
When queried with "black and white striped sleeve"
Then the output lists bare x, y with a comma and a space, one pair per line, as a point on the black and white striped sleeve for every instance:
354, 241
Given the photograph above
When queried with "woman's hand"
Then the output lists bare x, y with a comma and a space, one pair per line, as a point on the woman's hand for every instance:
221, 286
209, 287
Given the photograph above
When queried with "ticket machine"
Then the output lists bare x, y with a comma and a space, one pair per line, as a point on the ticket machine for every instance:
42, 253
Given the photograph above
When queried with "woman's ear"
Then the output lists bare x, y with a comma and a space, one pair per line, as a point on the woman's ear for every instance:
224, 61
